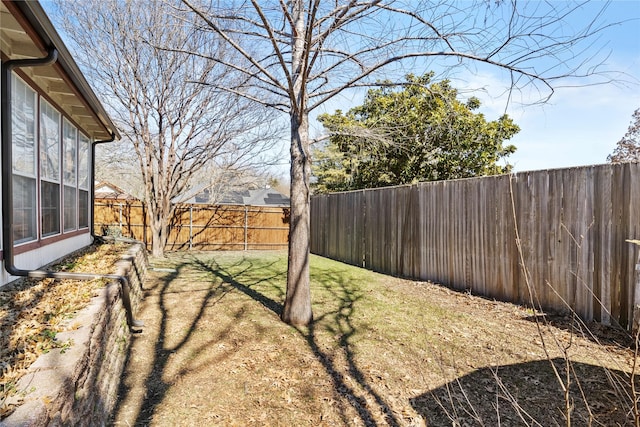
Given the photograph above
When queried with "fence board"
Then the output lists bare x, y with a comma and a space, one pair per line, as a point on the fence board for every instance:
572, 224
201, 227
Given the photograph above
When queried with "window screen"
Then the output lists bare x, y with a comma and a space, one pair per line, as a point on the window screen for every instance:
23, 135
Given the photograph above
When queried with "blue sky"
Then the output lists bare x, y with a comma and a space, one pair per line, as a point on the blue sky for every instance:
578, 125
581, 126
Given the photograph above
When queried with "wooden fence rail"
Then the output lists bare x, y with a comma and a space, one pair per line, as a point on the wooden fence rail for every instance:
199, 227
572, 225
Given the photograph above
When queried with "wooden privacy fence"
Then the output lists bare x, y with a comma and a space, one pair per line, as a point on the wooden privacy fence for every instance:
199, 227
572, 224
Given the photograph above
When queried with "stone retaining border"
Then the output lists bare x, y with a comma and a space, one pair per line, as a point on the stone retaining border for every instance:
79, 385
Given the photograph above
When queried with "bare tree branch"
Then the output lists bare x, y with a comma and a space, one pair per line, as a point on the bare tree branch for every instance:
226, 36
313, 50
175, 128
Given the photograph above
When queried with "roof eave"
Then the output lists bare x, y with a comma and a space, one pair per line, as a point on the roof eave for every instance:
41, 24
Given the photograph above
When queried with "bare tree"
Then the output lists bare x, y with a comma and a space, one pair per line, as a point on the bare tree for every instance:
307, 52
174, 125
628, 148
119, 165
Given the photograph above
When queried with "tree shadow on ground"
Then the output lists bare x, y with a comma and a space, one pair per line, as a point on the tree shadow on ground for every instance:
339, 322
336, 321
155, 387
245, 285
505, 395
531, 394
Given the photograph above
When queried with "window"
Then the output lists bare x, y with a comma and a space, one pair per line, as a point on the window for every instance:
50, 207
24, 209
24, 161
69, 208
83, 209
49, 169
69, 146
83, 181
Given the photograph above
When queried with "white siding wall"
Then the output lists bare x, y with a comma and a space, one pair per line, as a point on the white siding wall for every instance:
48, 253
36, 258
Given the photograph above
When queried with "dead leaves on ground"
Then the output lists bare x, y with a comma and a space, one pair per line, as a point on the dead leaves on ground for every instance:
33, 311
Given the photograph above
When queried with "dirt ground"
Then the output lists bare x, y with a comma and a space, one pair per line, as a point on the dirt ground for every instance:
381, 351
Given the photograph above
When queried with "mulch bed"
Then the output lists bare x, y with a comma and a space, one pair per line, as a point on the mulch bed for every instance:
34, 311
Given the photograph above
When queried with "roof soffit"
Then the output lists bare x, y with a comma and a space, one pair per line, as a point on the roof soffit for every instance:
18, 40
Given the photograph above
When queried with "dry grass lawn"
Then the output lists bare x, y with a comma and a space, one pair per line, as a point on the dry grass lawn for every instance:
382, 351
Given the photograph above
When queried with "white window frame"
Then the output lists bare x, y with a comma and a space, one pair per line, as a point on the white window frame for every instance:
70, 176
21, 169
84, 165
50, 149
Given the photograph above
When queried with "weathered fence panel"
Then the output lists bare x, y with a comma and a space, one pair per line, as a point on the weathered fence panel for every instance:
567, 227
200, 227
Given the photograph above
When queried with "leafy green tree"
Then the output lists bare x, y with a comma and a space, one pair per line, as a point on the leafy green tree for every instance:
420, 132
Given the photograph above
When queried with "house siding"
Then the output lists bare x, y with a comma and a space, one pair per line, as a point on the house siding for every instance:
49, 247
50, 132
47, 254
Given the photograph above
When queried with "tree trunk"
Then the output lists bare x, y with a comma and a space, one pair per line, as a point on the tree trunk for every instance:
297, 305
158, 237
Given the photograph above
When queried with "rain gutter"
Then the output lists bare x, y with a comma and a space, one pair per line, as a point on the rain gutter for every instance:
7, 192
92, 184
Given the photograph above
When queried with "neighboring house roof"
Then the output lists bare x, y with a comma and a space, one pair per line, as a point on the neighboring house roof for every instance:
27, 33
253, 197
258, 197
106, 190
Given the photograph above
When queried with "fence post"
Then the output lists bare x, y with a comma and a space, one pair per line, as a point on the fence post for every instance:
120, 218
635, 321
190, 227
246, 226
